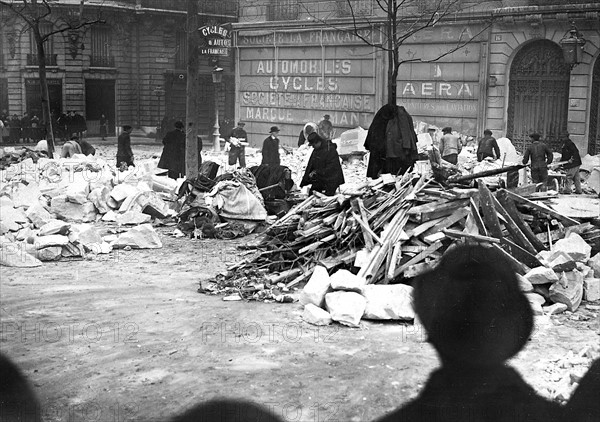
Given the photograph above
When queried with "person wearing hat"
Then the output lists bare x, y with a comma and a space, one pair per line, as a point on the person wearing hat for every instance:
570, 154
270, 148
173, 155
450, 146
476, 318
325, 128
541, 156
487, 146
323, 171
124, 152
238, 139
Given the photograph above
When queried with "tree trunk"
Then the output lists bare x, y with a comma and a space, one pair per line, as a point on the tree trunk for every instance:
46, 114
191, 130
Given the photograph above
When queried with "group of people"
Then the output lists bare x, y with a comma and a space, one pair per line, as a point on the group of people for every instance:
539, 153
323, 171
70, 124
475, 316
15, 129
541, 157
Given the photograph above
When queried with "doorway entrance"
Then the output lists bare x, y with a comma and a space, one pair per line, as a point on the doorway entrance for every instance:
538, 95
100, 99
33, 98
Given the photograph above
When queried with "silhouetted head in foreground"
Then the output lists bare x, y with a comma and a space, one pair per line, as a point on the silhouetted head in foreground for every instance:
472, 308
226, 410
18, 402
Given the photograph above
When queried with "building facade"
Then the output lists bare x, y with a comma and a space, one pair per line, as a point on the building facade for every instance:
132, 67
497, 65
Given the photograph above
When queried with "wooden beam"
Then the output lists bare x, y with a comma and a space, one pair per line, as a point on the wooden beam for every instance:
448, 221
417, 258
490, 217
477, 217
519, 267
513, 228
542, 208
460, 235
509, 206
520, 254
426, 212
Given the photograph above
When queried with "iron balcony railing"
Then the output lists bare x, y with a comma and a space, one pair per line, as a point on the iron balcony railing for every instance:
102, 61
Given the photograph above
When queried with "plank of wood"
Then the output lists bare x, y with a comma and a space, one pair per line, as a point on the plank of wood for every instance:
302, 277
509, 206
422, 228
519, 267
417, 269
477, 217
490, 218
359, 209
428, 212
460, 235
448, 221
554, 236
542, 208
520, 254
417, 258
513, 228
434, 237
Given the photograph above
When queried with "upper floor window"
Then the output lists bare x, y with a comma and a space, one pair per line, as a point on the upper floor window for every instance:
283, 10
101, 47
32, 59
354, 7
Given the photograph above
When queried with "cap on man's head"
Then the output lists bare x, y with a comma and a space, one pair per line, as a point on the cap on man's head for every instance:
179, 124
274, 129
326, 116
472, 307
127, 127
447, 129
240, 123
535, 136
487, 132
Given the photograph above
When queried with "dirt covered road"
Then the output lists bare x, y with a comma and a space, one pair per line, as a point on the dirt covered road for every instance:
126, 337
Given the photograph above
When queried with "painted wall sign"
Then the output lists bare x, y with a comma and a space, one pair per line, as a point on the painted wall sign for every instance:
316, 37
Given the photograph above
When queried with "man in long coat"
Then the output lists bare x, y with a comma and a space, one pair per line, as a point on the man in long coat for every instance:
173, 155
124, 152
323, 171
270, 149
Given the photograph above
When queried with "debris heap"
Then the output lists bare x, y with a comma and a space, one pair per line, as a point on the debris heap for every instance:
393, 229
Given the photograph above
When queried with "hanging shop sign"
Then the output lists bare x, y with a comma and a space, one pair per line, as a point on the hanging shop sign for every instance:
217, 40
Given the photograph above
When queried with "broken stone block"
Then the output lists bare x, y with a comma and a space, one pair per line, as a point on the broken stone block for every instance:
594, 263
112, 204
542, 290
52, 253
110, 216
77, 192
99, 197
50, 240
26, 195
555, 309
535, 298
561, 261
541, 275
568, 290
25, 233
347, 308
54, 227
15, 255
575, 246
392, 301
153, 205
345, 280
3, 229
314, 291
536, 308
132, 217
122, 191
71, 250
131, 203
86, 235
585, 270
141, 237
315, 315
72, 212
591, 289
12, 218
38, 215
524, 284
5, 201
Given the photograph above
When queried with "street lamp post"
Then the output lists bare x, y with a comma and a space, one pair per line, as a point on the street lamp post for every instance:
217, 77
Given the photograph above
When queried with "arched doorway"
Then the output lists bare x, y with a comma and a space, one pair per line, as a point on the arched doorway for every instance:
538, 94
594, 140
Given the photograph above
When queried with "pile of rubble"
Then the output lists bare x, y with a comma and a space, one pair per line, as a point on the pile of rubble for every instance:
393, 229
48, 208
11, 155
